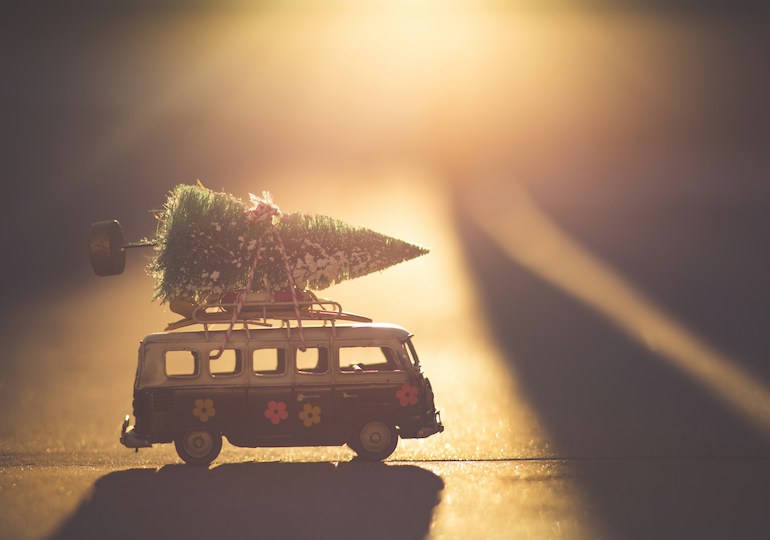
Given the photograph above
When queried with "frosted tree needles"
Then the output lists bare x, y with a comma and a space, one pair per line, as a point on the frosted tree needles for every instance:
208, 244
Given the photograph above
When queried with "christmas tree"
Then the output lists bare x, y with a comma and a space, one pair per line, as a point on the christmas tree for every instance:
210, 243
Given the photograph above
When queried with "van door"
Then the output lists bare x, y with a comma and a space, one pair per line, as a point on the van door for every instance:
269, 398
225, 391
367, 384
313, 405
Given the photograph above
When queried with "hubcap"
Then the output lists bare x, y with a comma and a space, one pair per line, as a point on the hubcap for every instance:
375, 437
198, 443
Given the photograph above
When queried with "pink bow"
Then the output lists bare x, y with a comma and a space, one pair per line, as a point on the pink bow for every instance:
263, 208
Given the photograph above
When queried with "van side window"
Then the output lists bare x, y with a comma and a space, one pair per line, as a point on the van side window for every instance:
268, 361
352, 359
229, 363
180, 363
312, 360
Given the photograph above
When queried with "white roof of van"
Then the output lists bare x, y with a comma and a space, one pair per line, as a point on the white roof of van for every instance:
357, 331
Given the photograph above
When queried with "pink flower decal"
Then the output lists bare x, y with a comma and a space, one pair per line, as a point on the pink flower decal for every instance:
276, 411
407, 395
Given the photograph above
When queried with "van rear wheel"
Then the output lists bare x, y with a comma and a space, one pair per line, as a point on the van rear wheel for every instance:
375, 440
198, 447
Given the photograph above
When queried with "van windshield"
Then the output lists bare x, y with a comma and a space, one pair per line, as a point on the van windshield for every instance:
412, 353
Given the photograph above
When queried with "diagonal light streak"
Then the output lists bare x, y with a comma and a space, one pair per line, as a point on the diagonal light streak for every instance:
530, 238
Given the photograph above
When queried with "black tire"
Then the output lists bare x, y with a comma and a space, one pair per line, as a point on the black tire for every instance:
106, 248
375, 440
198, 446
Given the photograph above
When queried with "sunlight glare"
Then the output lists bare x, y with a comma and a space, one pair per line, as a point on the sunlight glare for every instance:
509, 216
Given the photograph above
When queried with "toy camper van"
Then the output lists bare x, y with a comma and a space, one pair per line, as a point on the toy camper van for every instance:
358, 384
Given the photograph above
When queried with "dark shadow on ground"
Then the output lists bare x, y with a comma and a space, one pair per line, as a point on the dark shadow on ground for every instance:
602, 395
599, 391
259, 500
707, 499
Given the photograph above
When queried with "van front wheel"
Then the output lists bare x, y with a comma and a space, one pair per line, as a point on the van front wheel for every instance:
375, 440
198, 447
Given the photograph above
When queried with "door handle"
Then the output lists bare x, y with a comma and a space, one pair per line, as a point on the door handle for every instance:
303, 397
349, 396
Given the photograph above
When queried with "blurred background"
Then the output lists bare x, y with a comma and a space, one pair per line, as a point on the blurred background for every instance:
591, 179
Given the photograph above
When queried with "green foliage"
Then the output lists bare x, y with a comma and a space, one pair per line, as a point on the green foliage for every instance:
206, 246
197, 256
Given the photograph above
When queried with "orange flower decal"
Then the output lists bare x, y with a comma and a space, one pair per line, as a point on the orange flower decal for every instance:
204, 409
310, 415
407, 395
276, 411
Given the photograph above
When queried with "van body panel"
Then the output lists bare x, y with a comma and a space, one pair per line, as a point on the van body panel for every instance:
312, 406
272, 393
216, 408
269, 393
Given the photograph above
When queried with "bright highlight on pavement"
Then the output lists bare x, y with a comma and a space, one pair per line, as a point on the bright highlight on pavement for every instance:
509, 216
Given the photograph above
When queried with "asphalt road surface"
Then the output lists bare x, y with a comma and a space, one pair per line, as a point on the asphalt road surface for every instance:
592, 315
575, 431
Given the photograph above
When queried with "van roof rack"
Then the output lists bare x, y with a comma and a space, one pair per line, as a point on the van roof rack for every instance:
259, 313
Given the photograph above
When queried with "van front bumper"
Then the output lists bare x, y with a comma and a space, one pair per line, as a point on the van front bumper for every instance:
428, 425
130, 439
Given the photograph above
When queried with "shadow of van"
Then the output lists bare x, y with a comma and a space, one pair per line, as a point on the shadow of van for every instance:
259, 500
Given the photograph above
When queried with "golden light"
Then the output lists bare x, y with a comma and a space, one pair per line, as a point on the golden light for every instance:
508, 215
358, 112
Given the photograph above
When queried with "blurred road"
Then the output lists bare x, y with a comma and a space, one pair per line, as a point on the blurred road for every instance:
593, 313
